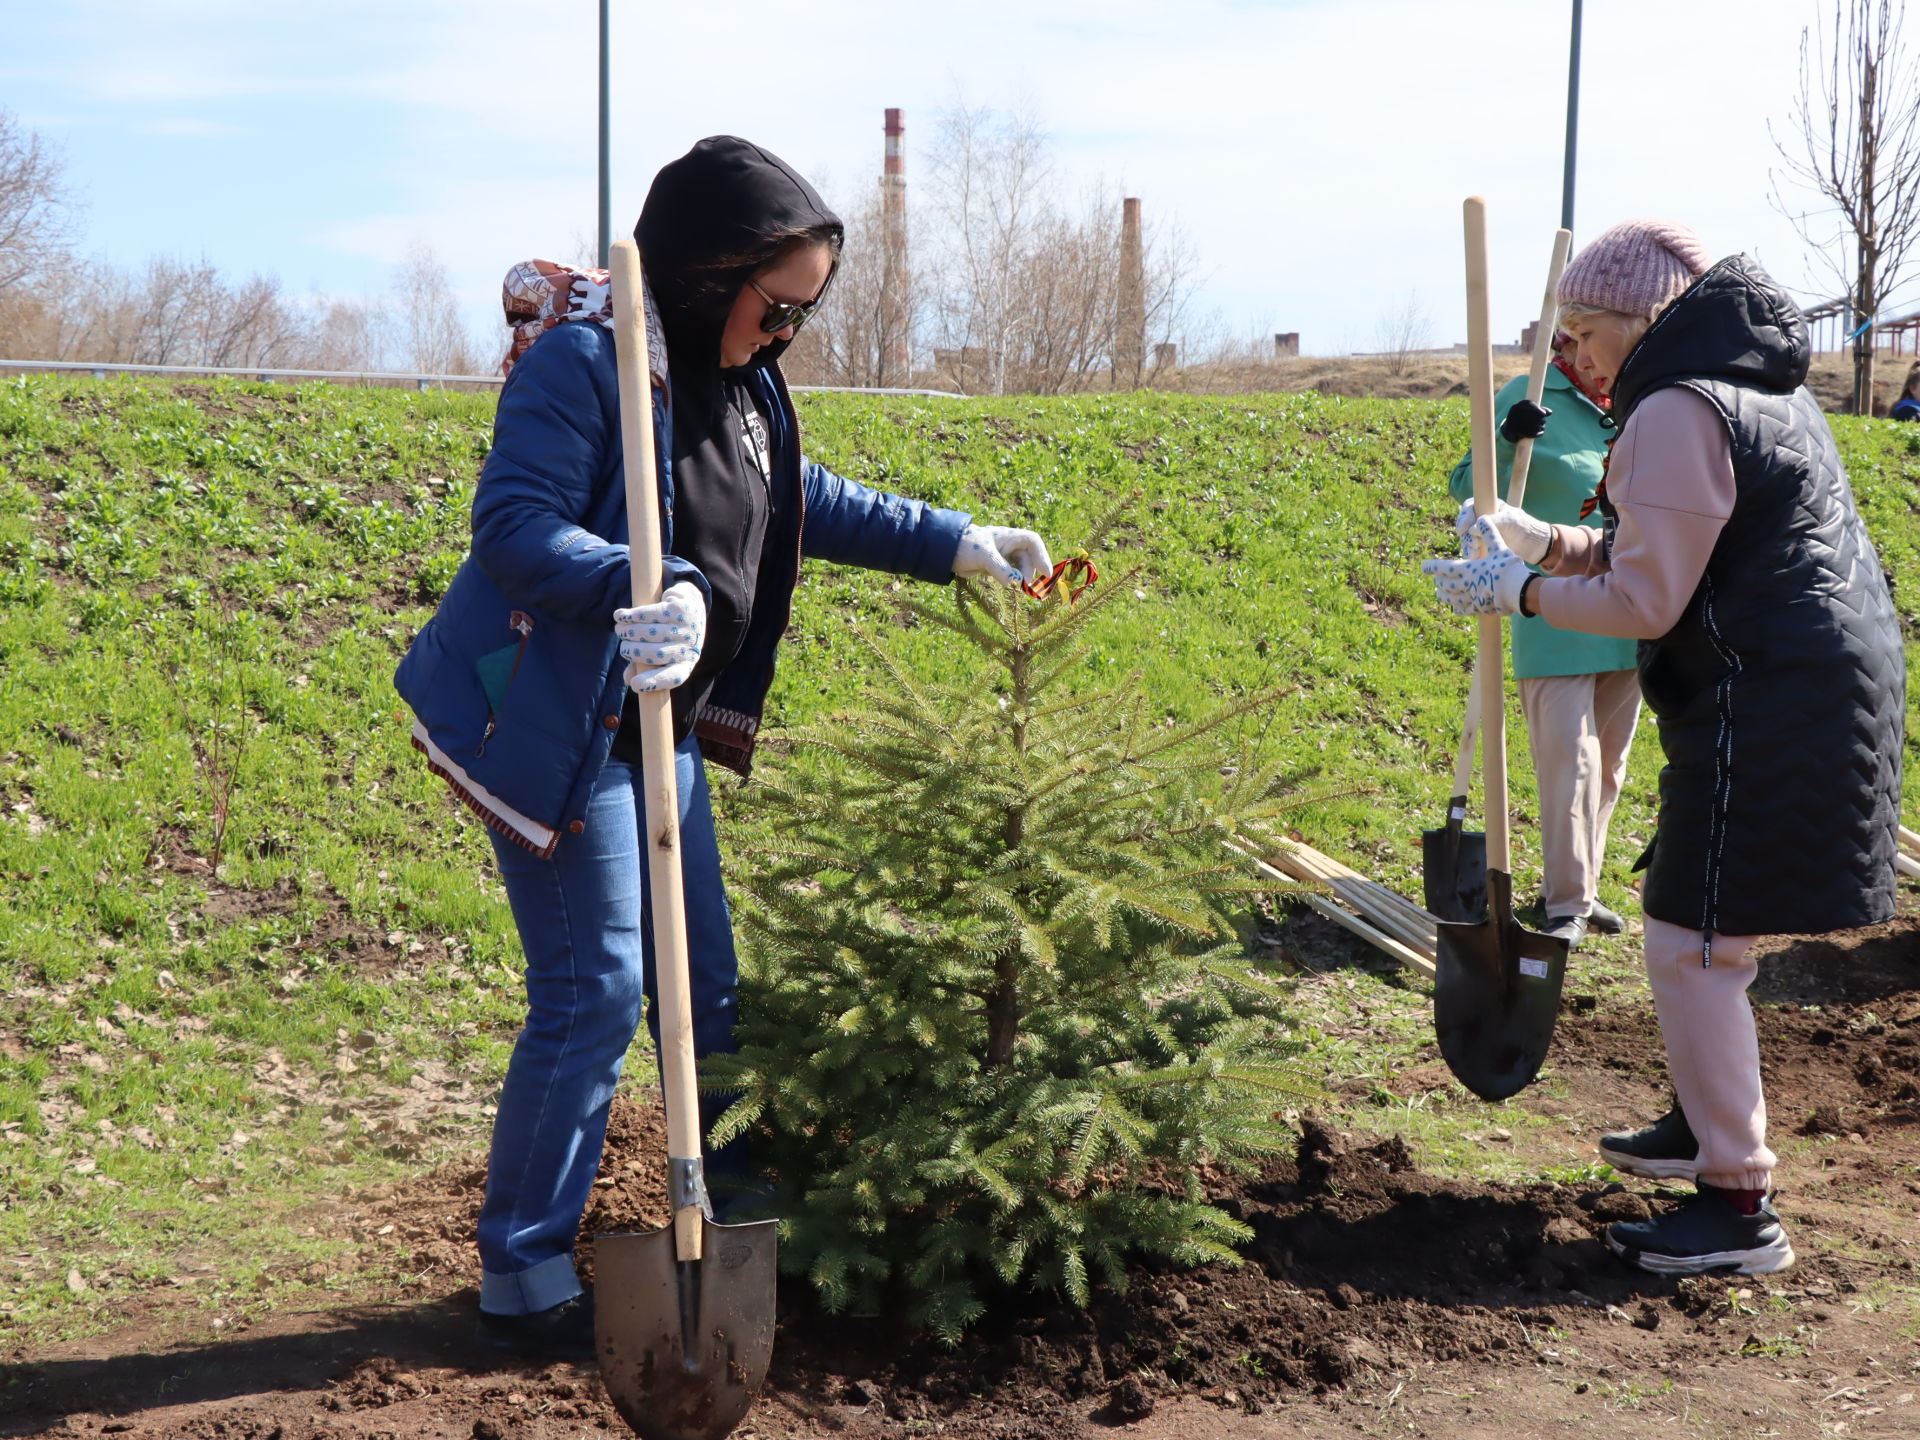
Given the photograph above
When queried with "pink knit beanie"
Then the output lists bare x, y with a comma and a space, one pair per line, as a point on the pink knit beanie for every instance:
1634, 268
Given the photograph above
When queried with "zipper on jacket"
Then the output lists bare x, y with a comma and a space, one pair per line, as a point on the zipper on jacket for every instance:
1722, 778
522, 624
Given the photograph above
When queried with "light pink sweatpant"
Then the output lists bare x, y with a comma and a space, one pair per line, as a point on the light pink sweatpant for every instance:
1713, 1050
1579, 728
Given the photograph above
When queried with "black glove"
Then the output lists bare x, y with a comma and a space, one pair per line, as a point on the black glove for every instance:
1525, 421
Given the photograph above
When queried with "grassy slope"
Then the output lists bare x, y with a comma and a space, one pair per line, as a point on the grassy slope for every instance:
239, 563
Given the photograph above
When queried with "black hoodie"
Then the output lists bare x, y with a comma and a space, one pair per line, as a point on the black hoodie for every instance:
712, 218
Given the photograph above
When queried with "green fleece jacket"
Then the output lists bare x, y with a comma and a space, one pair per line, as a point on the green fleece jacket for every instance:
1565, 471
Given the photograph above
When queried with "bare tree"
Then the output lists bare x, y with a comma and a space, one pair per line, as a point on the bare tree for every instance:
853, 340
1857, 147
1025, 286
348, 334
1403, 333
433, 336
36, 211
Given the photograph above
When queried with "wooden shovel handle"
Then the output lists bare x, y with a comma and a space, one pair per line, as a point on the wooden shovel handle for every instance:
1542, 356
660, 790
1490, 665
1517, 476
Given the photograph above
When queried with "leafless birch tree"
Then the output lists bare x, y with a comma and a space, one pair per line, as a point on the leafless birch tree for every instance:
1856, 146
36, 209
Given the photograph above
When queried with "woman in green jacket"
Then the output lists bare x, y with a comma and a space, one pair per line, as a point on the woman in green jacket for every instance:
1580, 693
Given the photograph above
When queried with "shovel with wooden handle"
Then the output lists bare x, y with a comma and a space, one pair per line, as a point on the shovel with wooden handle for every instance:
1496, 989
683, 1316
1453, 859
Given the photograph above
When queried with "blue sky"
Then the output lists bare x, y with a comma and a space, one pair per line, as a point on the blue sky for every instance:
1314, 153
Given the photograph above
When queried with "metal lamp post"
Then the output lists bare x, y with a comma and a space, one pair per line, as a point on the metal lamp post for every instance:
1573, 122
605, 225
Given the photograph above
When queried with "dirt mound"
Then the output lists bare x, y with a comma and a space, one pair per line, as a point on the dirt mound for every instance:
1359, 1266
431, 1219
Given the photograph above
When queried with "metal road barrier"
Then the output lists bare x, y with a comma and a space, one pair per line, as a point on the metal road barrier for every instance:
370, 377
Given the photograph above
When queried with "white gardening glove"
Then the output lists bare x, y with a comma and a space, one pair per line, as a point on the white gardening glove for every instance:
661, 642
1487, 581
1526, 535
1009, 556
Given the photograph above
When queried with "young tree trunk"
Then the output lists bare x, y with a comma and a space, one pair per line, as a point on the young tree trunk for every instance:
1866, 307
1003, 1008
1868, 289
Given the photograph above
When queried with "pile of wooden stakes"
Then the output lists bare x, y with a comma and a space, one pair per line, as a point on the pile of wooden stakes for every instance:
1907, 858
1384, 918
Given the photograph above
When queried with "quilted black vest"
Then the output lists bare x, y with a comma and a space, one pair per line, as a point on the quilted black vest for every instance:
1780, 692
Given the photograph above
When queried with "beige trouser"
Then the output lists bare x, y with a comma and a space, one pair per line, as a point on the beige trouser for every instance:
1579, 728
1713, 1050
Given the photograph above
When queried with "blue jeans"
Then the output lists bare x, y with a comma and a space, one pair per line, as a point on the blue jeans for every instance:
584, 926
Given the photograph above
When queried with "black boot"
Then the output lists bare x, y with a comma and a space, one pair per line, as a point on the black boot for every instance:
1603, 921
1706, 1234
1664, 1150
564, 1332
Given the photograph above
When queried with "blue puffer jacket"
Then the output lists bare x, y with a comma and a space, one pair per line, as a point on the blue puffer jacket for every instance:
515, 683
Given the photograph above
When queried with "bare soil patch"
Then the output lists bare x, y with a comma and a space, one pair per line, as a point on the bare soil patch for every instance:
1375, 1298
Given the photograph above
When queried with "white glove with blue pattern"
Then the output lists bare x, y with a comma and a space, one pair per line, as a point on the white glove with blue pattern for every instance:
661, 642
1007, 555
1487, 581
1529, 536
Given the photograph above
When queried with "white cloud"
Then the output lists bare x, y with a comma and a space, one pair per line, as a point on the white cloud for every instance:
186, 127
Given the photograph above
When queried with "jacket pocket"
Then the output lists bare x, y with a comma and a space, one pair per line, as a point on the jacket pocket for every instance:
497, 669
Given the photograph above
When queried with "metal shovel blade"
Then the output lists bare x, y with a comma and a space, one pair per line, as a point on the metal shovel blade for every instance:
1496, 996
684, 1345
1453, 868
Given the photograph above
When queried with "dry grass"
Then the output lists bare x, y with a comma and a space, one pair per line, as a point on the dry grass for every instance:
1424, 377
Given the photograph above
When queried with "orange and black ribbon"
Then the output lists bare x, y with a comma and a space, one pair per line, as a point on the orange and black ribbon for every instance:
1073, 567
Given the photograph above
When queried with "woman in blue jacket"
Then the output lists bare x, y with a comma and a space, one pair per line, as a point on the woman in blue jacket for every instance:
523, 682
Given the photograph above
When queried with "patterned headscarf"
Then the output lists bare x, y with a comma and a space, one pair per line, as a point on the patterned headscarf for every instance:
539, 294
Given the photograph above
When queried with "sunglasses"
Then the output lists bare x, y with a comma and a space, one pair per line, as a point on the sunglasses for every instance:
781, 315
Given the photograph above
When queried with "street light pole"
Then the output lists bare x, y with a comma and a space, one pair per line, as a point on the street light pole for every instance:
1573, 122
606, 186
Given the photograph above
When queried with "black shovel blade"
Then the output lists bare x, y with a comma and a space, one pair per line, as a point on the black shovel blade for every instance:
1453, 868
1496, 996
684, 1345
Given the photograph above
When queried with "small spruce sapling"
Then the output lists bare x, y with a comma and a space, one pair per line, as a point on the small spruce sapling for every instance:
994, 1018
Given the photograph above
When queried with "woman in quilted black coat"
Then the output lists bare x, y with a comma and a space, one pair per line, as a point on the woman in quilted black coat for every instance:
1770, 655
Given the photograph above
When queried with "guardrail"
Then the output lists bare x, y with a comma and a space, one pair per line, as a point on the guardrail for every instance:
370, 377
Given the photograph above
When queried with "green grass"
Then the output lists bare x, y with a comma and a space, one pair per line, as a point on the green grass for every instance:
203, 592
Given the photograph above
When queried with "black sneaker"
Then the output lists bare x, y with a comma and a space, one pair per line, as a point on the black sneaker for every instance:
1705, 1235
564, 1332
1603, 921
1664, 1150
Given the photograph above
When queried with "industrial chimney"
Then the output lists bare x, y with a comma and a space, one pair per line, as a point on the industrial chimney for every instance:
895, 307
1130, 338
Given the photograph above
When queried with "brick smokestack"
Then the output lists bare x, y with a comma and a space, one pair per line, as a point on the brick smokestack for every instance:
1130, 337
896, 307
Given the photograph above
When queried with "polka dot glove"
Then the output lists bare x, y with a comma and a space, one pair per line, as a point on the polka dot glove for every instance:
1486, 581
661, 643
1527, 536
1009, 556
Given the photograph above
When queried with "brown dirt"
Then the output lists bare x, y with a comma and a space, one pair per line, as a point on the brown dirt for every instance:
1375, 1298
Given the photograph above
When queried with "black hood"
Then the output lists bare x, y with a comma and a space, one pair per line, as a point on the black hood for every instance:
711, 219
1734, 324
